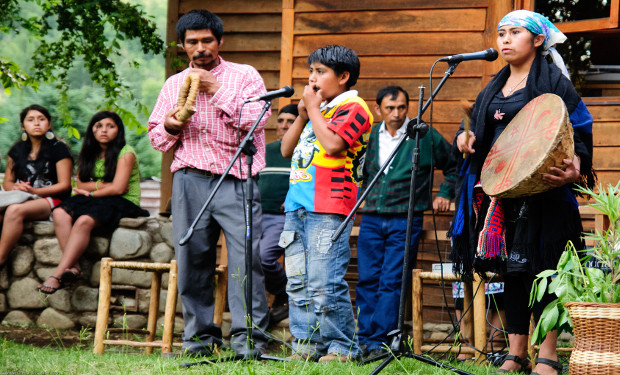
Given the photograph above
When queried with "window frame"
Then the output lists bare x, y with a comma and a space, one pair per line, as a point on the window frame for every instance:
594, 24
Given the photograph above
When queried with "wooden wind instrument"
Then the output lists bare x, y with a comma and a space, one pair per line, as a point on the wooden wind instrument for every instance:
467, 108
187, 97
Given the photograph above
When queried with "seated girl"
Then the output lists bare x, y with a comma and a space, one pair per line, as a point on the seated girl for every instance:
108, 189
38, 164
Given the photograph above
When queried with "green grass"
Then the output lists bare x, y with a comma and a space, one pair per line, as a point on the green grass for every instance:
22, 359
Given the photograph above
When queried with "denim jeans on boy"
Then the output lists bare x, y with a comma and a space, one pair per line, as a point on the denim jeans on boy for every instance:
380, 254
320, 313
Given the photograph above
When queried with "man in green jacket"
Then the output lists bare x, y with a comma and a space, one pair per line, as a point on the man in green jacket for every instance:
381, 242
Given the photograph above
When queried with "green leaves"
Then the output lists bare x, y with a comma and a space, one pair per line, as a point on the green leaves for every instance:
574, 282
76, 30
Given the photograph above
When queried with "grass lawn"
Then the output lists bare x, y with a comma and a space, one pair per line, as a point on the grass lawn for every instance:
25, 359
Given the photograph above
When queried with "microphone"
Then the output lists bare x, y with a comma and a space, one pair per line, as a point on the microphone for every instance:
286, 91
488, 55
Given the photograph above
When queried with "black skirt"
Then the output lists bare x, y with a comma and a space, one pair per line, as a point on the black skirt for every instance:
107, 211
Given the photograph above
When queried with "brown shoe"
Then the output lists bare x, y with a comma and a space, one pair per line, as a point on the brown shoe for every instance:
335, 357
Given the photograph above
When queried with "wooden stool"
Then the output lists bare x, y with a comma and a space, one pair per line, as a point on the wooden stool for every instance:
103, 310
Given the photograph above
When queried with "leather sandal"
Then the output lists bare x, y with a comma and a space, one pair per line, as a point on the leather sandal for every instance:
48, 289
557, 366
523, 362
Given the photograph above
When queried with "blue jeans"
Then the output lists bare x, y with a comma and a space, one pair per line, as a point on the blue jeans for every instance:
380, 254
320, 312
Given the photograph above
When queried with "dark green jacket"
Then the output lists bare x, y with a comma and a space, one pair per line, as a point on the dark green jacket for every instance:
273, 180
391, 193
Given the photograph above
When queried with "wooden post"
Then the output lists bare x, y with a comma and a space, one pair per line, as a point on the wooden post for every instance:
103, 310
171, 305
222, 284
480, 323
151, 324
416, 311
286, 48
495, 12
468, 318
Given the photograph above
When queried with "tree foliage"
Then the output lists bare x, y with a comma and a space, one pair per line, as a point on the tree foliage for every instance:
78, 31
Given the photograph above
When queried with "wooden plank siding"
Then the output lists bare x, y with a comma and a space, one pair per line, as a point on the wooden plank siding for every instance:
397, 42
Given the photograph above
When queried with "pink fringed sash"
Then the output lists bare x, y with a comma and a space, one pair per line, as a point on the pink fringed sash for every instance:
492, 237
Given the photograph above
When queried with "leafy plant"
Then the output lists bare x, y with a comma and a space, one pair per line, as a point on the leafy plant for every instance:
573, 280
71, 32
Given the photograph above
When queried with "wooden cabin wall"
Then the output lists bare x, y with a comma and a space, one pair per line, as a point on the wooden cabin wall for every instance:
397, 42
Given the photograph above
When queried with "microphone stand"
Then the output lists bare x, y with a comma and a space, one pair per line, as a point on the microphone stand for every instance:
247, 148
414, 128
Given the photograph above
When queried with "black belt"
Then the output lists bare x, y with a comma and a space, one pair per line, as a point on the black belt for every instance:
201, 172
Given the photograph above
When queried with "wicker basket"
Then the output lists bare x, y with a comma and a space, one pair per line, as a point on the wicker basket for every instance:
597, 346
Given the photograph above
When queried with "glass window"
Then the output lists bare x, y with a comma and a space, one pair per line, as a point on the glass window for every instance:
574, 10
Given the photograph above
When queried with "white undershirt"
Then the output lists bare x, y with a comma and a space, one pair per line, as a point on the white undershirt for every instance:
387, 143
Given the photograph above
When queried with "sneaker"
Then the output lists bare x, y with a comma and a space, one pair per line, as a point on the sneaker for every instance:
335, 357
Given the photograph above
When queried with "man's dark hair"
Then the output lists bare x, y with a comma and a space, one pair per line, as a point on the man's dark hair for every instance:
392, 91
291, 108
340, 59
200, 19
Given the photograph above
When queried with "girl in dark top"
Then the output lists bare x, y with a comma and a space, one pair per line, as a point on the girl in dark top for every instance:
535, 228
38, 164
108, 189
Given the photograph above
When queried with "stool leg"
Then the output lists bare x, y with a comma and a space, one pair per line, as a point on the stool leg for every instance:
480, 322
103, 310
171, 305
416, 311
151, 324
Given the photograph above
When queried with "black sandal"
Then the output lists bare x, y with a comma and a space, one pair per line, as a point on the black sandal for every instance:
523, 362
69, 276
52, 289
557, 366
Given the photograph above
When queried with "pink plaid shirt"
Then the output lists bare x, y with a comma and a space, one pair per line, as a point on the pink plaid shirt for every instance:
210, 140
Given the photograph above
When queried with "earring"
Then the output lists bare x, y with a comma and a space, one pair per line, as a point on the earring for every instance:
49, 135
24, 136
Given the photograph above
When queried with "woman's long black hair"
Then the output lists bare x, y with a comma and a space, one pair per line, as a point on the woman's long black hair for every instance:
91, 149
22, 148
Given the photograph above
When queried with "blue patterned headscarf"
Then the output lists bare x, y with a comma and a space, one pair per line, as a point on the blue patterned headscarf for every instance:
538, 24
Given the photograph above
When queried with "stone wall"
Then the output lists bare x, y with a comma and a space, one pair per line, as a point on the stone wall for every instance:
37, 254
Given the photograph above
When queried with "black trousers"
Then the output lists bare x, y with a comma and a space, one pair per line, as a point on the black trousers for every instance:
517, 287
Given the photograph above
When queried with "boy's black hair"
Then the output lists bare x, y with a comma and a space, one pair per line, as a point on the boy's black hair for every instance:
340, 59
392, 91
291, 108
200, 19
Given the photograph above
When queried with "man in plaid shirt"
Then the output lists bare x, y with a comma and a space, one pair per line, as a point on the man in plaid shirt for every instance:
203, 146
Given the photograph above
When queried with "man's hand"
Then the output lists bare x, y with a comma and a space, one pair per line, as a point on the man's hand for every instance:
441, 204
172, 125
558, 177
208, 83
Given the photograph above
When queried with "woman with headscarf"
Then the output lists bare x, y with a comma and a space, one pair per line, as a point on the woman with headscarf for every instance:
536, 228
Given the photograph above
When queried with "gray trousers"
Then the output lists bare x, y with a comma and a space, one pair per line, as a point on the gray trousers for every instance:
196, 259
